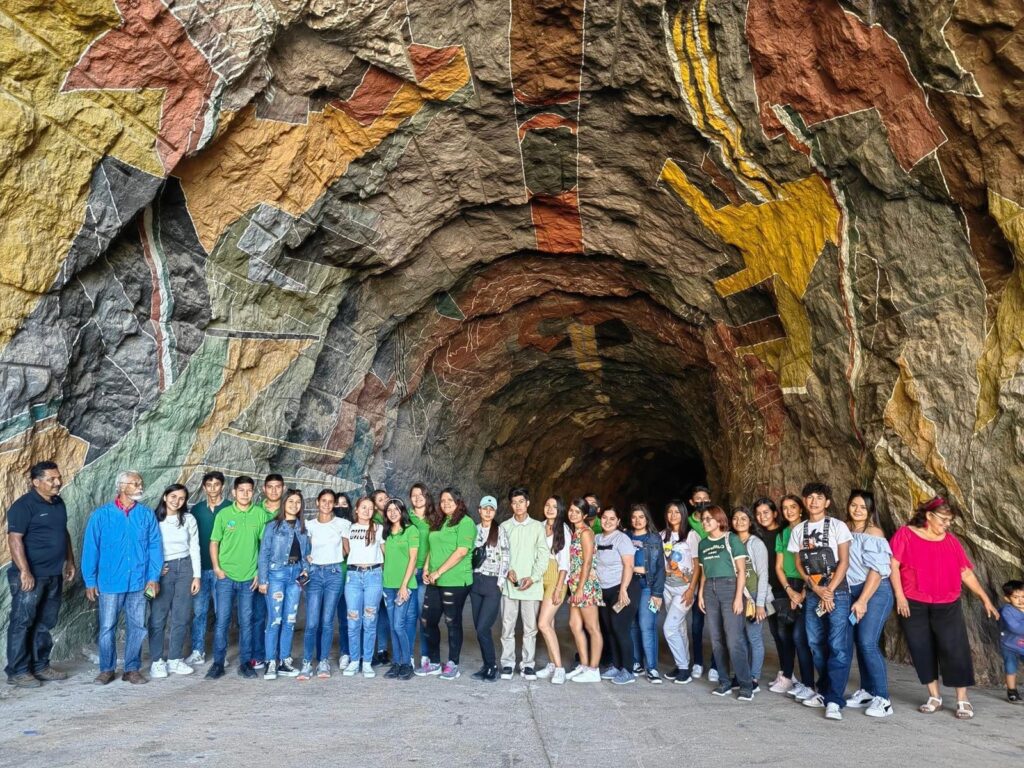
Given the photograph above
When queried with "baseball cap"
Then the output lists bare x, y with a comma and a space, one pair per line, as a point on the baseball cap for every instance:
489, 501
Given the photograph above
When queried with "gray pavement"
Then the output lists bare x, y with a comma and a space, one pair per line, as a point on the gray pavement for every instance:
188, 721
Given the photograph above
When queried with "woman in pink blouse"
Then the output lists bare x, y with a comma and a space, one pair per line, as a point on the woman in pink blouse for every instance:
929, 566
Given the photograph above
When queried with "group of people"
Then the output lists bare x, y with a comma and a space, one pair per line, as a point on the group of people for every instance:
391, 573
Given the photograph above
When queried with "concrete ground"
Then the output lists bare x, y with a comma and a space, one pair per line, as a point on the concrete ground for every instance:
188, 721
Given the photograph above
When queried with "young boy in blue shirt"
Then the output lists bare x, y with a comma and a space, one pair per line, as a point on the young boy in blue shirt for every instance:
1011, 624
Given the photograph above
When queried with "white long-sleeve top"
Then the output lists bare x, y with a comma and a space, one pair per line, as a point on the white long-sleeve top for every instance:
181, 541
561, 557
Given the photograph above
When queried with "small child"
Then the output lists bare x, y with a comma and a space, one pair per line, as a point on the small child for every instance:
1011, 624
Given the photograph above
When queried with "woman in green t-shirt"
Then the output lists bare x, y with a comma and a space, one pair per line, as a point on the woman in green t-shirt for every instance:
448, 575
401, 545
723, 564
791, 629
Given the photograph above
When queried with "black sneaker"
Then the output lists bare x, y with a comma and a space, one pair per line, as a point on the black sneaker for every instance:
246, 670
393, 671
215, 671
653, 676
529, 673
638, 669
682, 677
506, 673
405, 672
671, 674
735, 684
380, 658
723, 689
257, 664
746, 695
285, 669
755, 687
481, 674
492, 675
1012, 696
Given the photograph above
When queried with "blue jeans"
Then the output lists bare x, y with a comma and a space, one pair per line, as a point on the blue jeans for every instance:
831, 640
401, 615
363, 591
755, 644
645, 630
201, 608
259, 622
1011, 660
228, 592
33, 615
383, 627
325, 584
134, 606
282, 603
417, 612
342, 620
866, 633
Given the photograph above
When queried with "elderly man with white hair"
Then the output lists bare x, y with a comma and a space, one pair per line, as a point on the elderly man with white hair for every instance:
122, 557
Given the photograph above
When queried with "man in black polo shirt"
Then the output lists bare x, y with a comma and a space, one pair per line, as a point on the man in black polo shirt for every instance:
37, 534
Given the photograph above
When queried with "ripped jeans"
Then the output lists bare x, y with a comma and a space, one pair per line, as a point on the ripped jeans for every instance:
282, 601
447, 602
363, 591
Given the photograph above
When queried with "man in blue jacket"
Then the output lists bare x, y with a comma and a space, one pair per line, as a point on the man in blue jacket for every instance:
122, 557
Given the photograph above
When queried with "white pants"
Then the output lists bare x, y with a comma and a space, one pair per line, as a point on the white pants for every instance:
676, 633
510, 613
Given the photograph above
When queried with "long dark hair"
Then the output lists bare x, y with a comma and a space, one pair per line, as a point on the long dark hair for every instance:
161, 508
937, 504
346, 512
431, 509
459, 513
869, 502
755, 527
764, 501
651, 528
799, 504
279, 517
684, 521
404, 521
584, 507
558, 525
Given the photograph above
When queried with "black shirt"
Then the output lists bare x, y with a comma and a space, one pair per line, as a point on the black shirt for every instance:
295, 553
44, 529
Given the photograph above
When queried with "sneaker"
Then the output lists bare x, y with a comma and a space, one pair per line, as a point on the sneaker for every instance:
380, 659
745, 695
625, 677
638, 669
682, 677
392, 672
588, 675
428, 668
285, 669
722, 690
306, 672
271, 673
734, 683
158, 669
860, 699
671, 674
196, 657
879, 707
1012, 696
343, 660
179, 667
492, 675
529, 673
778, 676
816, 700
481, 674
506, 673
579, 669
451, 672
696, 671
546, 671
654, 676
558, 676
801, 692
782, 684
611, 673
215, 671
755, 687
323, 669
25, 680
257, 664
368, 670
424, 661
405, 672
48, 674
712, 675
833, 712
351, 668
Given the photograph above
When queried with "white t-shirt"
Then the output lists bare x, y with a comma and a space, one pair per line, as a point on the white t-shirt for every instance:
359, 552
838, 534
678, 561
561, 558
692, 542
325, 540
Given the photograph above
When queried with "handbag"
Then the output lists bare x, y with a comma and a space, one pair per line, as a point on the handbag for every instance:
479, 556
784, 610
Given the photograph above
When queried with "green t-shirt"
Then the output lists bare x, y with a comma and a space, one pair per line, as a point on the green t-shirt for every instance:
443, 544
396, 557
714, 556
424, 528
204, 521
788, 559
596, 525
239, 533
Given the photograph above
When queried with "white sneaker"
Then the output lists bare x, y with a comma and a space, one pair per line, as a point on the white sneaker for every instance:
271, 673
179, 667
697, 671
879, 707
197, 657
712, 675
343, 660
833, 712
368, 671
558, 676
782, 684
579, 669
588, 676
817, 701
158, 669
860, 699
351, 668
801, 692
545, 672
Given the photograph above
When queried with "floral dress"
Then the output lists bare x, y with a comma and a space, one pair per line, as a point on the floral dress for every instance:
591, 590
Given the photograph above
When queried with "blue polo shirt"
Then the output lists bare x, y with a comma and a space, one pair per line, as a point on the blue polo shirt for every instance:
43, 526
122, 551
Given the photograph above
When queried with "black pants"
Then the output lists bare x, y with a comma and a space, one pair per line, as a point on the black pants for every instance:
447, 602
937, 639
486, 598
33, 615
618, 627
791, 642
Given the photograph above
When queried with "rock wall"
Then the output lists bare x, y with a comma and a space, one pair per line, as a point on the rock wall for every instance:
600, 246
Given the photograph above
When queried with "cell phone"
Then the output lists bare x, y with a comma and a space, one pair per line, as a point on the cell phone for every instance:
820, 610
149, 593
620, 605
853, 618
651, 606
302, 580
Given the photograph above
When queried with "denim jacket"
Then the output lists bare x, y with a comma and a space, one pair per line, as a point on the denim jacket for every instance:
276, 547
654, 564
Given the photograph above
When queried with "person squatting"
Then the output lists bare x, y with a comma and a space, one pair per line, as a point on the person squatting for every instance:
390, 573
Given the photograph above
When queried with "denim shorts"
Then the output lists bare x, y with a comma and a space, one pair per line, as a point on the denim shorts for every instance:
1011, 659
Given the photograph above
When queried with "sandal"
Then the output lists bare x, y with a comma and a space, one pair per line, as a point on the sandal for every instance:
933, 704
964, 710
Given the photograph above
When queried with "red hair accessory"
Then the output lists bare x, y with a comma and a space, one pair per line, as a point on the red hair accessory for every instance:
934, 504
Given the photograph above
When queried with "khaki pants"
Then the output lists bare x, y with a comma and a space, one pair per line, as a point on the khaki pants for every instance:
510, 613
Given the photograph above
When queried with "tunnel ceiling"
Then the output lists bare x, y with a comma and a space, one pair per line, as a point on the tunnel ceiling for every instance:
592, 246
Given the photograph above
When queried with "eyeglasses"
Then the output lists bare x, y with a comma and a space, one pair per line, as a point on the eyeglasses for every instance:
944, 519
